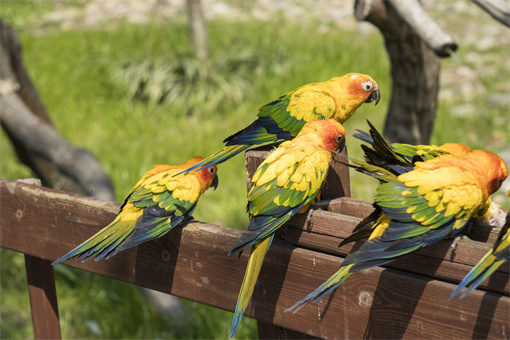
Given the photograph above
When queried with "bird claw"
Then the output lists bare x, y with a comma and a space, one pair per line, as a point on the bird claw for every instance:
309, 215
309, 218
456, 241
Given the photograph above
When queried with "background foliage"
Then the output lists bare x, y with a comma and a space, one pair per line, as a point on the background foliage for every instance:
87, 75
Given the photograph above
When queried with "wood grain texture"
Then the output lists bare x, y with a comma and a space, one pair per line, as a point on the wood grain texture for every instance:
192, 262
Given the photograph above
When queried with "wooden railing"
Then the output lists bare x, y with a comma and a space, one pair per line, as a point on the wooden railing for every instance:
406, 299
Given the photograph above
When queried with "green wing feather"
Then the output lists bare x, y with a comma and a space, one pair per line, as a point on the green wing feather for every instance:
148, 212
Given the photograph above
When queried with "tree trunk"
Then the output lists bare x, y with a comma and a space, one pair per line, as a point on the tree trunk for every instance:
413, 41
198, 29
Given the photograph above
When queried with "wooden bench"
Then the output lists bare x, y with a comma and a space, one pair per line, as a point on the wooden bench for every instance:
405, 299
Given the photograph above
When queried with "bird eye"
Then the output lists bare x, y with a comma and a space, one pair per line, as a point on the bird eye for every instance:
212, 170
339, 138
367, 85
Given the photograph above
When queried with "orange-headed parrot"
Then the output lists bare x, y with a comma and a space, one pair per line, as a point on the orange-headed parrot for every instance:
337, 98
425, 196
156, 204
286, 183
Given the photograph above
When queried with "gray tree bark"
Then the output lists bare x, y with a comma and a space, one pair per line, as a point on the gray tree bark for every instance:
498, 9
414, 42
58, 163
198, 29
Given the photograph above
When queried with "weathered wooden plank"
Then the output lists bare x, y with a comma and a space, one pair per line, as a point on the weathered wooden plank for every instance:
270, 332
43, 298
326, 230
192, 263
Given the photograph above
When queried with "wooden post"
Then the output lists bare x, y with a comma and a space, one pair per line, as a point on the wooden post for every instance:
43, 298
42, 292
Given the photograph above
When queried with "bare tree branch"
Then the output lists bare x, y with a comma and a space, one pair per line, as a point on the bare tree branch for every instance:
26, 122
432, 34
414, 72
42, 140
499, 10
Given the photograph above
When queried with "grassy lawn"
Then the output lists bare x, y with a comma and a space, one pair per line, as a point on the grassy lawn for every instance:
76, 72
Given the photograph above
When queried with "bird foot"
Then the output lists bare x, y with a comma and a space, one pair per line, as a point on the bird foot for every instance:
309, 218
455, 242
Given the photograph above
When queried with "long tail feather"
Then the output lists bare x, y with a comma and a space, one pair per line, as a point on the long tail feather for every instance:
478, 274
103, 243
219, 157
258, 252
324, 289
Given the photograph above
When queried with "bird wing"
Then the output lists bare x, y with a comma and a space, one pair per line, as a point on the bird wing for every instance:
285, 184
157, 203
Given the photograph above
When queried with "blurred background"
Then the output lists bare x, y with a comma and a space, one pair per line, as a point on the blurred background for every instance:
122, 80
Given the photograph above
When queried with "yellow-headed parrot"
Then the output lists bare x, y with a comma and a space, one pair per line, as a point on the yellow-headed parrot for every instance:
286, 183
499, 254
426, 194
337, 98
156, 204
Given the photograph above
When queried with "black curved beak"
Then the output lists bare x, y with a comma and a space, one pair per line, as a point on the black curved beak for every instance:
215, 182
341, 146
374, 96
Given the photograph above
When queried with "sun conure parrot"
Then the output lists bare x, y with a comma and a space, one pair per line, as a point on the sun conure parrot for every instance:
282, 119
499, 254
287, 182
156, 204
425, 195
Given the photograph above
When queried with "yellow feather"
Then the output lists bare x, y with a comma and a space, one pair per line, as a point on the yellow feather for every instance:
382, 223
306, 100
282, 179
433, 197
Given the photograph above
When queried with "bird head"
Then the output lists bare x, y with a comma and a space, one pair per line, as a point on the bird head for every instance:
351, 91
329, 132
207, 176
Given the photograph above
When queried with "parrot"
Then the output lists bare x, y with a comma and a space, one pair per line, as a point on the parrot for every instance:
426, 194
286, 183
158, 202
499, 254
282, 119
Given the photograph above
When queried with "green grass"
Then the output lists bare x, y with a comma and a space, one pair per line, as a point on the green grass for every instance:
74, 72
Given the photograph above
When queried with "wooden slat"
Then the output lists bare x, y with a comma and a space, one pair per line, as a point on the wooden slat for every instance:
270, 332
326, 230
192, 263
43, 298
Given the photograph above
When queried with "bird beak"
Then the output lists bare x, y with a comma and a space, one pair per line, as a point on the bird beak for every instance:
374, 96
341, 146
215, 182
